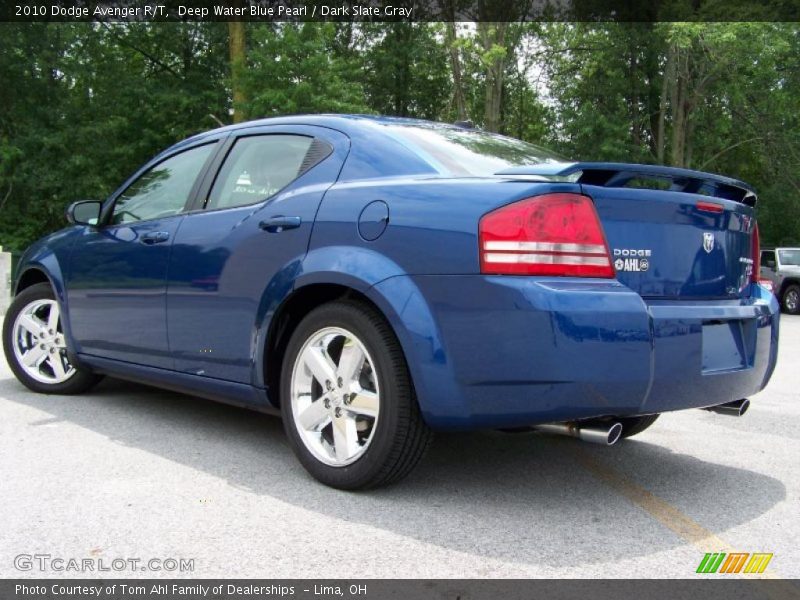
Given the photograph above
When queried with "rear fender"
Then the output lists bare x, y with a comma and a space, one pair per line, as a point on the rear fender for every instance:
385, 285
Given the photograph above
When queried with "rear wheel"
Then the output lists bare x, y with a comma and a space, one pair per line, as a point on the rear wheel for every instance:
347, 399
791, 299
635, 425
35, 346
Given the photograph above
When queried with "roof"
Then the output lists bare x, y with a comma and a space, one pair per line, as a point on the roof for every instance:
344, 123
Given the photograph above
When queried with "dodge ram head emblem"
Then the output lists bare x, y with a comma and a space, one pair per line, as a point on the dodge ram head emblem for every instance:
708, 242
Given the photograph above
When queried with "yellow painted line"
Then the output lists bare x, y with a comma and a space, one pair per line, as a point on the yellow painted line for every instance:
666, 514
663, 512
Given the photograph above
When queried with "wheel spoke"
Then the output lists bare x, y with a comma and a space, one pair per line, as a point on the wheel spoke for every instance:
320, 365
55, 362
351, 362
315, 416
345, 437
52, 318
364, 403
335, 415
34, 356
38, 340
31, 324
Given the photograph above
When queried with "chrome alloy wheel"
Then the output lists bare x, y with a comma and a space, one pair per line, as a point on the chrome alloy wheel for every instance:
792, 300
39, 345
335, 396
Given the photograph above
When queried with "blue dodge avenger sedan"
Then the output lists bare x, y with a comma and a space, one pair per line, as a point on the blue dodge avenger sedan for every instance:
376, 279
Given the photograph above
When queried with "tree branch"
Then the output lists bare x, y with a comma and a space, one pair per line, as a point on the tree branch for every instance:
724, 150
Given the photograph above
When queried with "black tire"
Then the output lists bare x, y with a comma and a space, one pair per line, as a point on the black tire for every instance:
401, 437
78, 383
790, 300
635, 425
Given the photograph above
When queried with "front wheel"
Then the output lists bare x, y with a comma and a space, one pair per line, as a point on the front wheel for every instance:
791, 299
347, 399
35, 347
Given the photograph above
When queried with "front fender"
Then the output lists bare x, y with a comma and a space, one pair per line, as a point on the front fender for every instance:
50, 256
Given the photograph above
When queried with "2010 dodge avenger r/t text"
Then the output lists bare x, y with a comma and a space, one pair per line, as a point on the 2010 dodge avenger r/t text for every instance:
375, 279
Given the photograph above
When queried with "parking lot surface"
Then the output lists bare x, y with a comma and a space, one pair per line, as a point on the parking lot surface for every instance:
133, 472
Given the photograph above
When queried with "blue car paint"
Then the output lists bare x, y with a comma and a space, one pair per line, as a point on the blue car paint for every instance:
483, 351
224, 263
674, 226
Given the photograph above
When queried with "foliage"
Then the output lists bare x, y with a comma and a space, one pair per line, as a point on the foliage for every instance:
83, 105
292, 69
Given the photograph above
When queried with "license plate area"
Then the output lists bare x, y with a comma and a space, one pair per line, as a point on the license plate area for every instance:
728, 345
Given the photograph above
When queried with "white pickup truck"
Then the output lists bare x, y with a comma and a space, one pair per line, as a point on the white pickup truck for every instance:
782, 267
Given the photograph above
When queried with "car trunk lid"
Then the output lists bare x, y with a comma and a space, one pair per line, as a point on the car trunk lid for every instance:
672, 233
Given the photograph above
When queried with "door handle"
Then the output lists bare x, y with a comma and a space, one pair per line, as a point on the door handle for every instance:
280, 223
155, 237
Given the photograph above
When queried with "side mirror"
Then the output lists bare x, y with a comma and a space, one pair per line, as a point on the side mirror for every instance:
84, 212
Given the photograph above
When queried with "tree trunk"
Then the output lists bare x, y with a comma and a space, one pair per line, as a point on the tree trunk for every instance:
667, 85
455, 65
493, 36
689, 137
237, 47
678, 102
633, 98
402, 77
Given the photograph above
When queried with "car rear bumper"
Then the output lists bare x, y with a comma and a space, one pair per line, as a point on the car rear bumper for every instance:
511, 351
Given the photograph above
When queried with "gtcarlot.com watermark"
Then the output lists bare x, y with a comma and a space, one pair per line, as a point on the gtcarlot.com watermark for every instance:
91, 564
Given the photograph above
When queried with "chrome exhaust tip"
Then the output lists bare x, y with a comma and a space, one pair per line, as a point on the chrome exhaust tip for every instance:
737, 408
607, 435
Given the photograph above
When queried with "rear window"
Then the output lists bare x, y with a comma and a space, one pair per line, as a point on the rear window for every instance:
467, 152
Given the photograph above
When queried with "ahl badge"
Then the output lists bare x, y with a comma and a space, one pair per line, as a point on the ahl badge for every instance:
632, 259
708, 242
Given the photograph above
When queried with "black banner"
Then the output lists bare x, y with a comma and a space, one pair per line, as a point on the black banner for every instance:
399, 10
374, 589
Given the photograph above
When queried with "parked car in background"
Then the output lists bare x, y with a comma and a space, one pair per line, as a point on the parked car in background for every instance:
781, 266
374, 279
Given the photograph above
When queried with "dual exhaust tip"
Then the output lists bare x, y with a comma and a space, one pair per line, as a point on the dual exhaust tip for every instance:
604, 434
608, 434
737, 408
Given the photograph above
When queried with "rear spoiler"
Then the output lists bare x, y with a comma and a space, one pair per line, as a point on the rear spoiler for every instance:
619, 174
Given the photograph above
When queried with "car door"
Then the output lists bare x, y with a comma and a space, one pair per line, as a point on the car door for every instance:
244, 242
116, 283
769, 266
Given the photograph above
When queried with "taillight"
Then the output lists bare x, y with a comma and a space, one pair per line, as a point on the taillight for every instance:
553, 234
756, 241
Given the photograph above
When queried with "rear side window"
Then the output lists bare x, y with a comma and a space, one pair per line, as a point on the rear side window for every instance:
257, 167
767, 255
163, 190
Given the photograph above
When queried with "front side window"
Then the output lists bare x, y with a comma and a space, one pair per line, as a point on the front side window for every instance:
767, 256
163, 190
257, 167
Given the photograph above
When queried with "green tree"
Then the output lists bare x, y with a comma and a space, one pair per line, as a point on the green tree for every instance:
295, 68
406, 69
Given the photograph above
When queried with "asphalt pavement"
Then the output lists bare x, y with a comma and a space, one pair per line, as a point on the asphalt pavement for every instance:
130, 472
